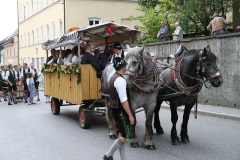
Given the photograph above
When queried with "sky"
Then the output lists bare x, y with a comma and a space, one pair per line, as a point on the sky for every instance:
8, 18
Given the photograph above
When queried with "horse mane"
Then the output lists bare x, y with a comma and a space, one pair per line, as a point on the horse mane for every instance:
209, 55
132, 52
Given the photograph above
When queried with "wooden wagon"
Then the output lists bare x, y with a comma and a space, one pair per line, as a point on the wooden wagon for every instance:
87, 93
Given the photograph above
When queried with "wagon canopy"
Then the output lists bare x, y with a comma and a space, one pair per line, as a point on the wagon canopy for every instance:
96, 35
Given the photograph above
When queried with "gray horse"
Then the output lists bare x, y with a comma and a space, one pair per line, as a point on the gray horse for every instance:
142, 77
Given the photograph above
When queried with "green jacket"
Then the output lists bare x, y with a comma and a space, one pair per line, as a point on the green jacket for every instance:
12, 77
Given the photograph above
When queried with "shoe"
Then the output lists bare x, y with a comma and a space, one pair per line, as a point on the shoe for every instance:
9, 103
107, 158
49, 101
38, 99
15, 102
33, 103
26, 102
5, 99
29, 103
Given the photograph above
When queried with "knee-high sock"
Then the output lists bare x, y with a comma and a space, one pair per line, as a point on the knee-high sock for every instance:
37, 94
15, 98
32, 99
26, 96
122, 152
29, 100
115, 146
4, 95
9, 98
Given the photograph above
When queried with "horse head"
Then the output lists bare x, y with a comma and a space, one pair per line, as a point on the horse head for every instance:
209, 68
137, 59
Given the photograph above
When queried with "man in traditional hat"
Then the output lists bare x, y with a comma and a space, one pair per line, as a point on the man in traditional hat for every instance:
120, 108
217, 25
118, 52
12, 80
4, 83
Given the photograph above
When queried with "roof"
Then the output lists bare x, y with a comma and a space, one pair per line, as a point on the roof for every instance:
95, 35
10, 38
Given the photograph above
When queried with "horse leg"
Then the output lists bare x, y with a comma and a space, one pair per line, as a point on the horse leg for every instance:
184, 134
157, 124
112, 132
133, 139
148, 143
174, 119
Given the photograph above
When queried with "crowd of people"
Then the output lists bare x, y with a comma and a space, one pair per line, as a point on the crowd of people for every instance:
216, 26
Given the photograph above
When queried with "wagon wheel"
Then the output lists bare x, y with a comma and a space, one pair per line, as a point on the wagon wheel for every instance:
55, 106
84, 118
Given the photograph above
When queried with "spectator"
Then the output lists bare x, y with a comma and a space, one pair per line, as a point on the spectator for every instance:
217, 25
163, 33
75, 58
53, 53
70, 55
238, 27
54, 59
89, 59
96, 54
62, 58
177, 35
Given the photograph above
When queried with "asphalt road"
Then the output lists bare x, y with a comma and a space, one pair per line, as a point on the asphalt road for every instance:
31, 132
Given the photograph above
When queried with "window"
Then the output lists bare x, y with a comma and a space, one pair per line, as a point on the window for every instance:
16, 51
32, 37
24, 40
93, 21
37, 36
21, 42
41, 34
13, 52
28, 39
47, 31
27, 10
42, 61
28, 60
33, 60
36, 50
32, 6
23, 12
10, 52
60, 27
20, 14
6, 54
53, 29
37, 63
46, 3
52, 1
36, 6
41, 4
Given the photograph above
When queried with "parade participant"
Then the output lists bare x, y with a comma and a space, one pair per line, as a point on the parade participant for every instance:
54, 59
1, 81
31, 88
36, 79
89, 59
75, 58
119, 107
178, 34
53, 53
24, 73
17, 74
70, 55
217, 25
62, 58
3, 78
118, 52
12, 80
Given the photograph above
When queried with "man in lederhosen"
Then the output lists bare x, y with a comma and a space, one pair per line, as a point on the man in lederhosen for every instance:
12, 80
4, 82
36, 78
17, 73
118, 52
119, 107
24, 73
1, 82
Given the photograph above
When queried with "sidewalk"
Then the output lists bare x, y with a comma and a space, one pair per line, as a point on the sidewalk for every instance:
213, 111
207, 110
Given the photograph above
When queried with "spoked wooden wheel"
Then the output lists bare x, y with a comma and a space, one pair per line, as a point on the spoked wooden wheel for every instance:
84, 118
55, 106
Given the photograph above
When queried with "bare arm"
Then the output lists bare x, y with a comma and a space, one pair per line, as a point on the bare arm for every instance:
127, 109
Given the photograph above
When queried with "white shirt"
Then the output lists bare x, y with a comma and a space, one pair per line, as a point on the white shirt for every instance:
120, 84
115, 55
32, 70
75, 59
26, 71
3, 75
8, 74
28, 80
63, 61
178, 31
16, 74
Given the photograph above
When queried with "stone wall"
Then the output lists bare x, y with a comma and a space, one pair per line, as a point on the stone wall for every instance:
227, 49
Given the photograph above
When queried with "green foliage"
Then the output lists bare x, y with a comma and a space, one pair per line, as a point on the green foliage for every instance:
193, 15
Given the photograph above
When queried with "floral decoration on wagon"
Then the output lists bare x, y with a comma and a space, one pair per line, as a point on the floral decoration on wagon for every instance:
75, 69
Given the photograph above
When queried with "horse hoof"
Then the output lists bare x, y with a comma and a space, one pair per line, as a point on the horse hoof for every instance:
112, 136
150, 147
176, 142
134, 145
159, 131
185, 140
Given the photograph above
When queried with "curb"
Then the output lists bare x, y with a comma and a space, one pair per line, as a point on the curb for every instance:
206, 113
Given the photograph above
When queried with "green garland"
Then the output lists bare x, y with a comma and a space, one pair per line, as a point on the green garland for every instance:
75, 69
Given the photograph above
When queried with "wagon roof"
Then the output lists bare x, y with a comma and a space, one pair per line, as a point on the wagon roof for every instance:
95, 35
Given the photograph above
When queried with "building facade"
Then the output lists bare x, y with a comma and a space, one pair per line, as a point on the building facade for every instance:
40, 20
11, 49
